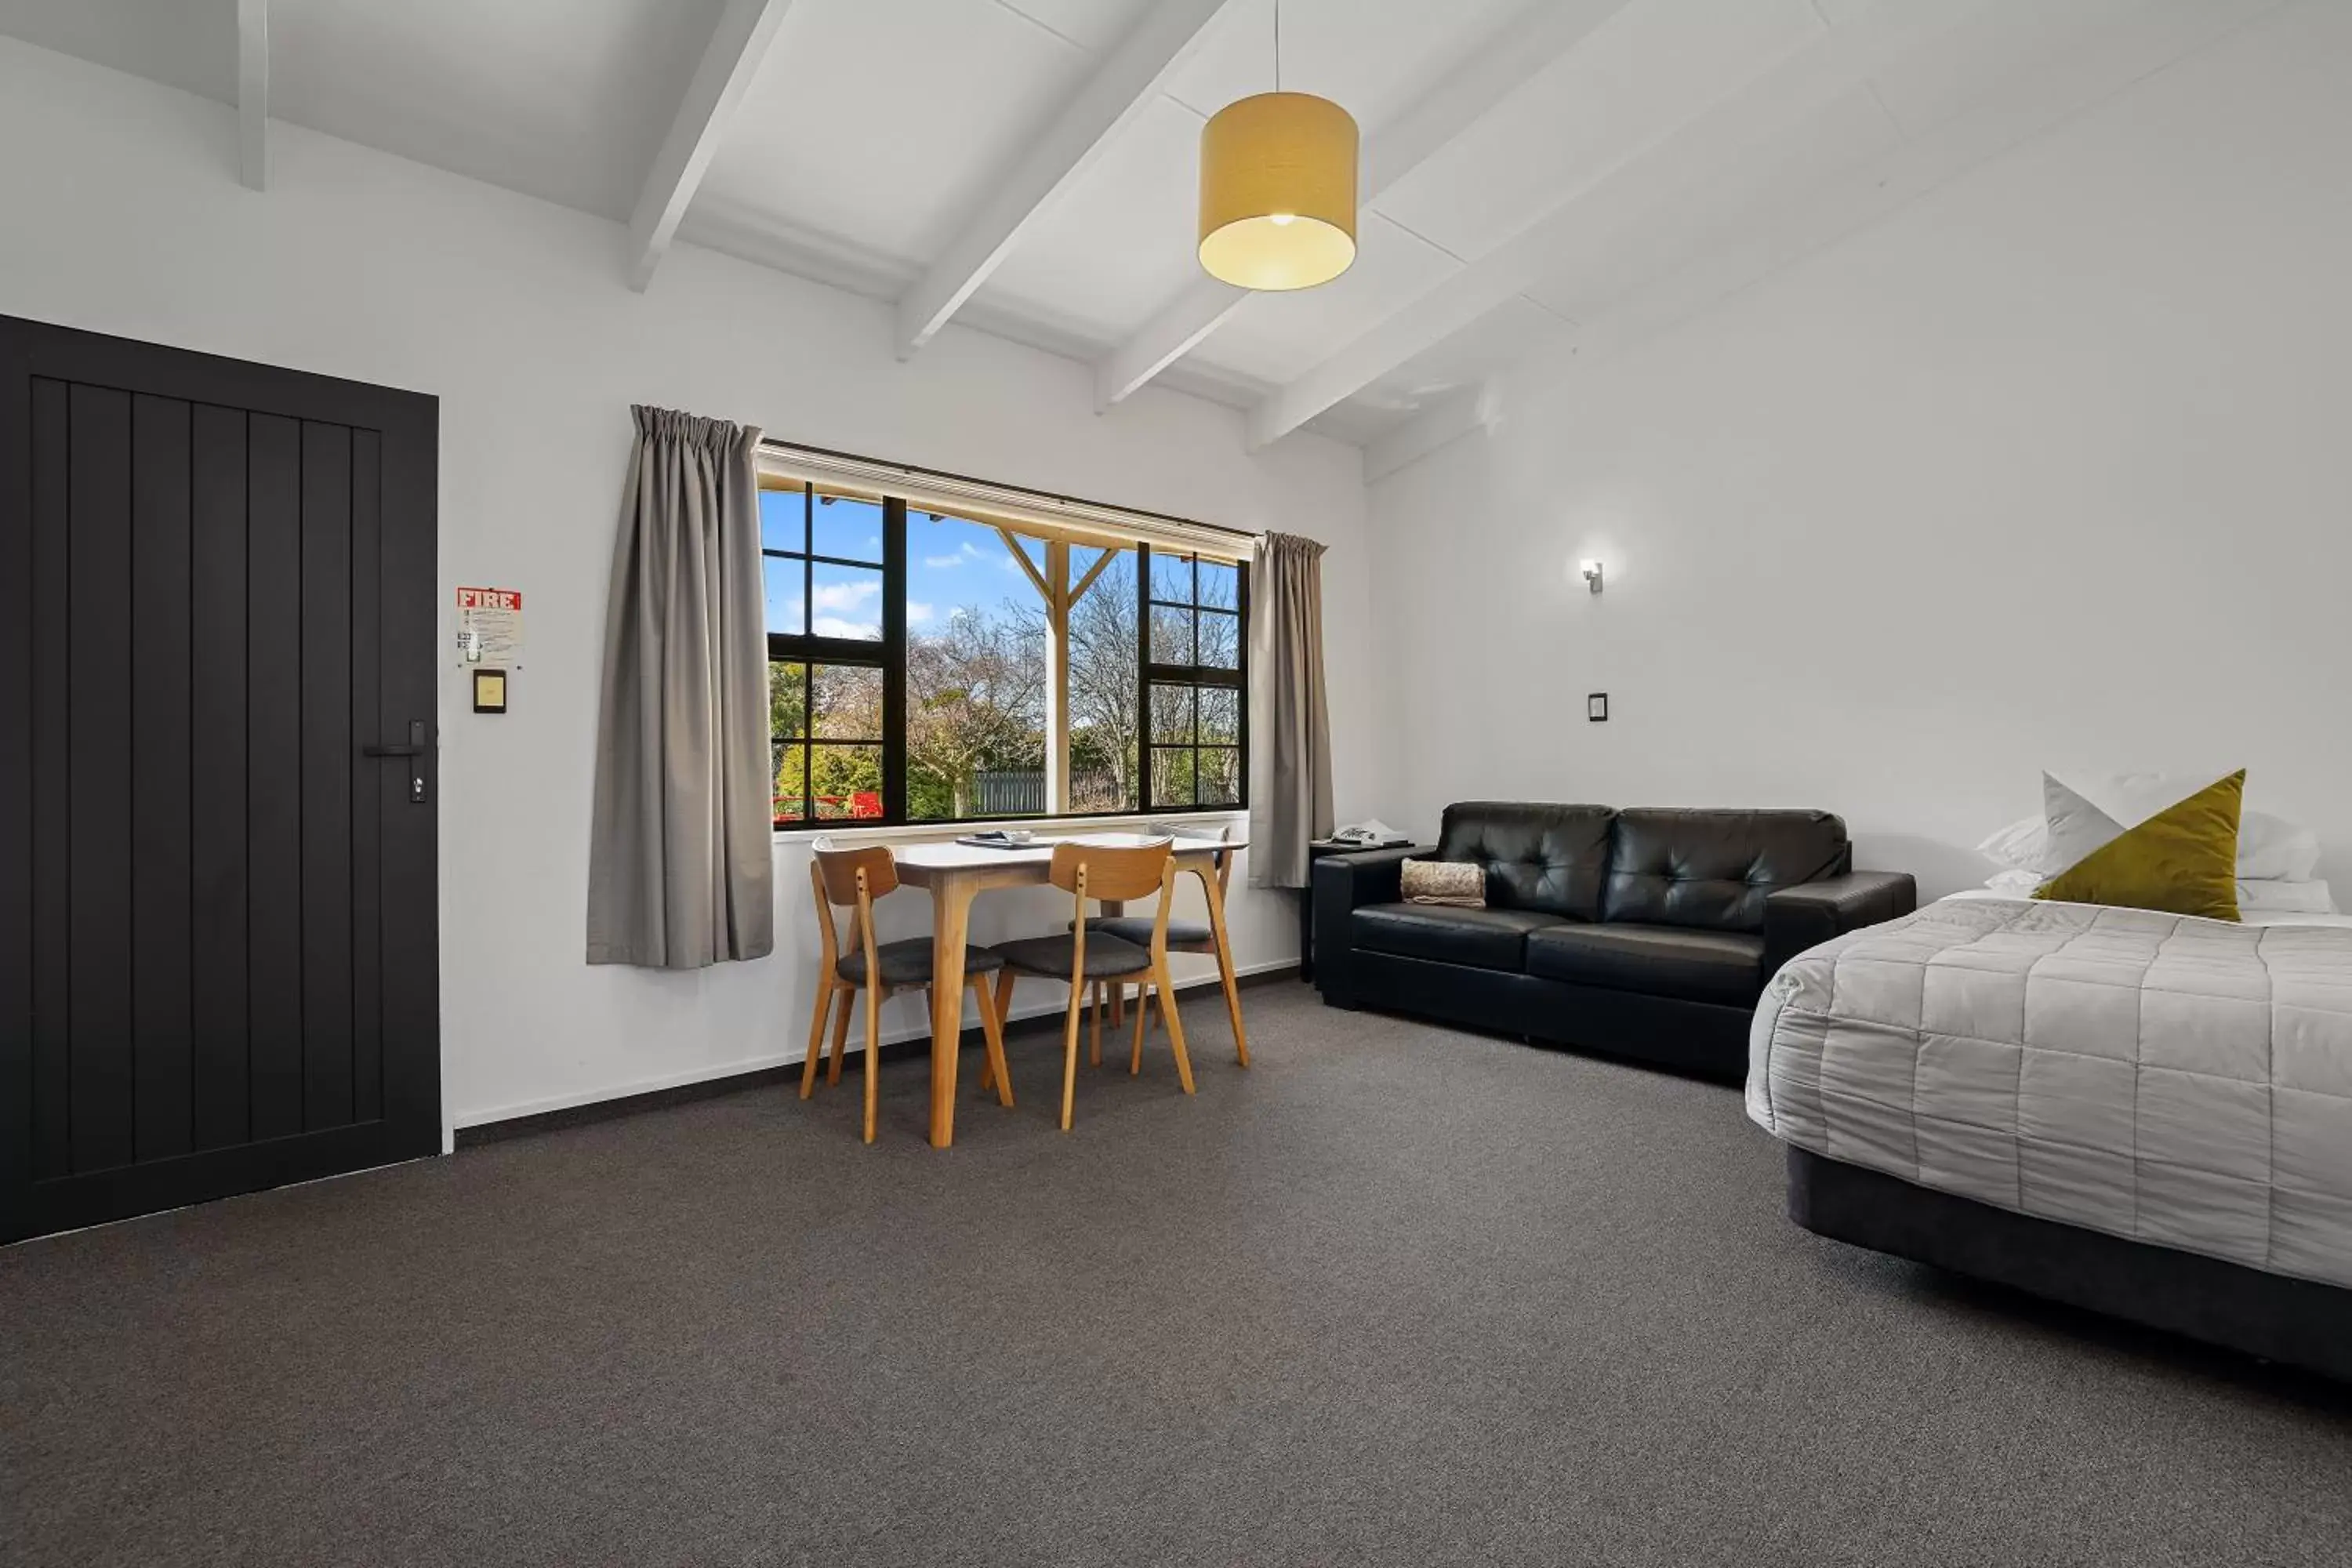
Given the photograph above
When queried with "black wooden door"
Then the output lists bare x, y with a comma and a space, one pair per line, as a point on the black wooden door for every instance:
217, 959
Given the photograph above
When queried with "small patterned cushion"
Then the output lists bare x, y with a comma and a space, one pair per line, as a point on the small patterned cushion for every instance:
1459, 883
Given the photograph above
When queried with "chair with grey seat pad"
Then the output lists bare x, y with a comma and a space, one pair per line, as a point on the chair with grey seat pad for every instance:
1184, 936
1085, 959
849, 879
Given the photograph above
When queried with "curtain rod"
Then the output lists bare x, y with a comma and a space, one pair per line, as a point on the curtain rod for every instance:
915, 470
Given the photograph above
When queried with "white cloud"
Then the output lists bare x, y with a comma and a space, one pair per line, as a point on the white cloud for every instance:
836, 626
967, 551
917, 612
844, 596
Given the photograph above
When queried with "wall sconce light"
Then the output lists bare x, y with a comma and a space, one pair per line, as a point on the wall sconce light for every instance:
1591, 570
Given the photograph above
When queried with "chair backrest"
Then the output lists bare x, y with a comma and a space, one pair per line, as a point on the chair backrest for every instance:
1112, 870
834, 878
1223, 859
838, 870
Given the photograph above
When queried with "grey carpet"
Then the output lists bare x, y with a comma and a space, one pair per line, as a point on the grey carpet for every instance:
1395, 1295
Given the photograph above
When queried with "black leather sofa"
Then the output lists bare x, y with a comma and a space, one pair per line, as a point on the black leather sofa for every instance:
1648, 932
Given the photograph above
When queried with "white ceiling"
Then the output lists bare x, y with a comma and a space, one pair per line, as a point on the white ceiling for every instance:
1533, 165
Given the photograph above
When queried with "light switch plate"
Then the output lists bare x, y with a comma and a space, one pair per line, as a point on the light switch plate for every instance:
1596, 707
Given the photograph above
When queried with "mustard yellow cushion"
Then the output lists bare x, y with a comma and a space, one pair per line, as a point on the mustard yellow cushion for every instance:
2182, 861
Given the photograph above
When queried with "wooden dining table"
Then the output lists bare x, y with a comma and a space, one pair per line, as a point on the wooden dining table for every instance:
955, 874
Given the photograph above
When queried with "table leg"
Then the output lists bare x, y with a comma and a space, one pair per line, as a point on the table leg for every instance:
950, 921
1224, 947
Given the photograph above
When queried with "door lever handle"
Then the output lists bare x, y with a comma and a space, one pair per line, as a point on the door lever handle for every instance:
415, 747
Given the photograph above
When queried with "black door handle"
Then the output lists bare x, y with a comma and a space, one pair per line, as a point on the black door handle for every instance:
415, 747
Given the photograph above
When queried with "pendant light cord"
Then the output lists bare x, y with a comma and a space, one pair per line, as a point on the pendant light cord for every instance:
1277, 46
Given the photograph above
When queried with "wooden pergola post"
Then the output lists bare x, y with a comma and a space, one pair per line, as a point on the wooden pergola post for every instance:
1061, 596
1058, 599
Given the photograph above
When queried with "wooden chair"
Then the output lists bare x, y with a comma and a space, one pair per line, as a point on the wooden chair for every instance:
1185, 936
855, 879
1085, 959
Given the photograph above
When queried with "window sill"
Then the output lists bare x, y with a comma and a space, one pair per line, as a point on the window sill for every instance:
1043, 827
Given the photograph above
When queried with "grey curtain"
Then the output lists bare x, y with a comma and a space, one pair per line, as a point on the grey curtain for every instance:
679, 874
1290, 733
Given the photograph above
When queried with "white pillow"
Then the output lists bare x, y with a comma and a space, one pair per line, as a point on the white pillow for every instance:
2279, 897
2078, 829
2026, 844
2269, 897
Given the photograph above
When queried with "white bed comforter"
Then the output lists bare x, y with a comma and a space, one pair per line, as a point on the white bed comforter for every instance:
2175, 1081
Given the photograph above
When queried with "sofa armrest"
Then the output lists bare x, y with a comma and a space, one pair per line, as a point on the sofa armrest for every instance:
1811, 913
1344, 884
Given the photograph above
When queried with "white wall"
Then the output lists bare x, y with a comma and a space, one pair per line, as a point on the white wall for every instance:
121, 213
2049, 469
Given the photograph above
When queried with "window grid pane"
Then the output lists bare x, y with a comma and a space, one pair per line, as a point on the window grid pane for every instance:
845, 601
846, 702
1171, 578
783, 522
1172, 715
1221, 714
845, 783
1172, 635
790, 776
1172, 770
1217, 773
846, 528
1218, 638
1219, 584
787, 698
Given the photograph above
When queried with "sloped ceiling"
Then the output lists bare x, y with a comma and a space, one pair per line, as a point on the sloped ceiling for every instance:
1533, 165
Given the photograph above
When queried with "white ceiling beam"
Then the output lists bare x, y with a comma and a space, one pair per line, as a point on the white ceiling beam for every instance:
1175, 331
1814, 76
1524, 48
737, 44
2167, 31
1447, 419
253, 93
1127, 80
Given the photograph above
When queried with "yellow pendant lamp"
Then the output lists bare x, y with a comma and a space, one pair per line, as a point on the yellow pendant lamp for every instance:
1278, 188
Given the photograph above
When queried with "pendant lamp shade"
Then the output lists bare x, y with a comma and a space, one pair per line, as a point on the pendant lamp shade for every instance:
1278, 192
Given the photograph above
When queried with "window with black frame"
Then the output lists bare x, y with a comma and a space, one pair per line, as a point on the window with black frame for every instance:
925, 666
828, 564
1192, 675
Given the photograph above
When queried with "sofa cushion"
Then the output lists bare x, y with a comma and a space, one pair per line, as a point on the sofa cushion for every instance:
1485, 938
1712, 870
1659, 961
1535, 856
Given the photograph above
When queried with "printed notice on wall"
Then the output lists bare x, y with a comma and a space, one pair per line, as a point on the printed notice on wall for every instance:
489, 627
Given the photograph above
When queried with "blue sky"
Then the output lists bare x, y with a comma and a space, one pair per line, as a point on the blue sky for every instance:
952, 564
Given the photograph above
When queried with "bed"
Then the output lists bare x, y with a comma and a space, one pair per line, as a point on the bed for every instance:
2146, 1114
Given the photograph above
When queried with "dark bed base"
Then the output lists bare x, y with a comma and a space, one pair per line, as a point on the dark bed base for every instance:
2297, 1321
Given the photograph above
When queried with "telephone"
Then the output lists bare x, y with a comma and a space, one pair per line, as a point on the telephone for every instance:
1372, 834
